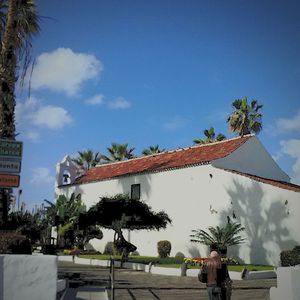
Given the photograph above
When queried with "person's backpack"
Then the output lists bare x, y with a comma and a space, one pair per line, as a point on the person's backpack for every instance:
202, 275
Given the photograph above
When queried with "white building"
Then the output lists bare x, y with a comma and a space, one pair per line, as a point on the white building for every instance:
198, 187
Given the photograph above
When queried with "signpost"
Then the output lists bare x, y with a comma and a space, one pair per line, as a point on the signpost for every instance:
11, 148
10, 167
7, 180
10, 163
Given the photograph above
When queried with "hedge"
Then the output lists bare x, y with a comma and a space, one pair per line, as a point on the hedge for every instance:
290, 257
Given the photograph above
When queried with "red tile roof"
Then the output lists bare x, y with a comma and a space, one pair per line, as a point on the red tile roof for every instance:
280, 184
196, 155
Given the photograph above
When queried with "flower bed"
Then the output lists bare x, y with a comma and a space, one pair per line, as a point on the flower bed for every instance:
199, 261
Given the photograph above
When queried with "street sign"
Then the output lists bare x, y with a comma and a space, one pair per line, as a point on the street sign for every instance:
7, 180
11, 148
10, 166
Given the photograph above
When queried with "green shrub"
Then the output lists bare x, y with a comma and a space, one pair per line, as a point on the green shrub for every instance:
49, 249
135, 253
180, 254
297, 249
11, 243
164, 248
290, 257
111, 249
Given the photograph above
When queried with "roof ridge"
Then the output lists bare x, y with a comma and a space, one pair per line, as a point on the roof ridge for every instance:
173, 151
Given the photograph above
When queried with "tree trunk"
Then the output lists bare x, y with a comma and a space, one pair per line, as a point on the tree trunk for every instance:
125, 246
8, 72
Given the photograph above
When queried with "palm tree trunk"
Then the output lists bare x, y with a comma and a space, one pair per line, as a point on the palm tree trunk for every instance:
8, 72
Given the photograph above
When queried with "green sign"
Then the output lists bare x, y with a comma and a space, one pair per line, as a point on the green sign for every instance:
11, 148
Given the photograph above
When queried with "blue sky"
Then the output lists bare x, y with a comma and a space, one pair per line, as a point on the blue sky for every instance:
156, 72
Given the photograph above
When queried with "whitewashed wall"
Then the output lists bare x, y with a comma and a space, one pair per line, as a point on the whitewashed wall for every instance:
202, 196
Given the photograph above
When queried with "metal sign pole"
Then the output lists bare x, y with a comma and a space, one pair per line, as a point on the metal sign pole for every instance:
112, 279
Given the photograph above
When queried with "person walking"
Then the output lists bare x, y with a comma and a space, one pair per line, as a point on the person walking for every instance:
215, 275
226, 284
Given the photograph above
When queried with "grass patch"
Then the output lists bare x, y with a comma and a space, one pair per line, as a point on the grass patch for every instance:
239, 268
172, 262
138, 259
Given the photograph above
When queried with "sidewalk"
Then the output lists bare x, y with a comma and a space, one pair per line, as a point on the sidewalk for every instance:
139, 285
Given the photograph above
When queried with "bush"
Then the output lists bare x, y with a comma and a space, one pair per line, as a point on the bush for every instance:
111, 249
135, 253
290, 257
10, 242
23, 247
180, 254
164, 248
49, 249
297, 249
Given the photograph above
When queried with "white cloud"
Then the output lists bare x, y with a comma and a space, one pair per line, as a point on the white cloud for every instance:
33, 135
289, 124
41, 176
64, 70
292, 149
174, 123
95, 100
51, 117
118, 103
32, 115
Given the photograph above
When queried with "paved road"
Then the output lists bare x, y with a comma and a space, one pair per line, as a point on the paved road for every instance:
131, 285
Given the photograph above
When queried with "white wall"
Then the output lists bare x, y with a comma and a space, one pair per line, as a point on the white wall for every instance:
193, 199
28, 277
252, 158
288, 287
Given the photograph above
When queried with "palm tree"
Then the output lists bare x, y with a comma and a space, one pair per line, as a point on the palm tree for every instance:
64, 213
20, 25
87, 159
210, 137
152, 150
118, 152
245, 118
222, 237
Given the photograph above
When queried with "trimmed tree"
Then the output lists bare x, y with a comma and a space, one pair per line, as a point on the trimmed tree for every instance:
120, 212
